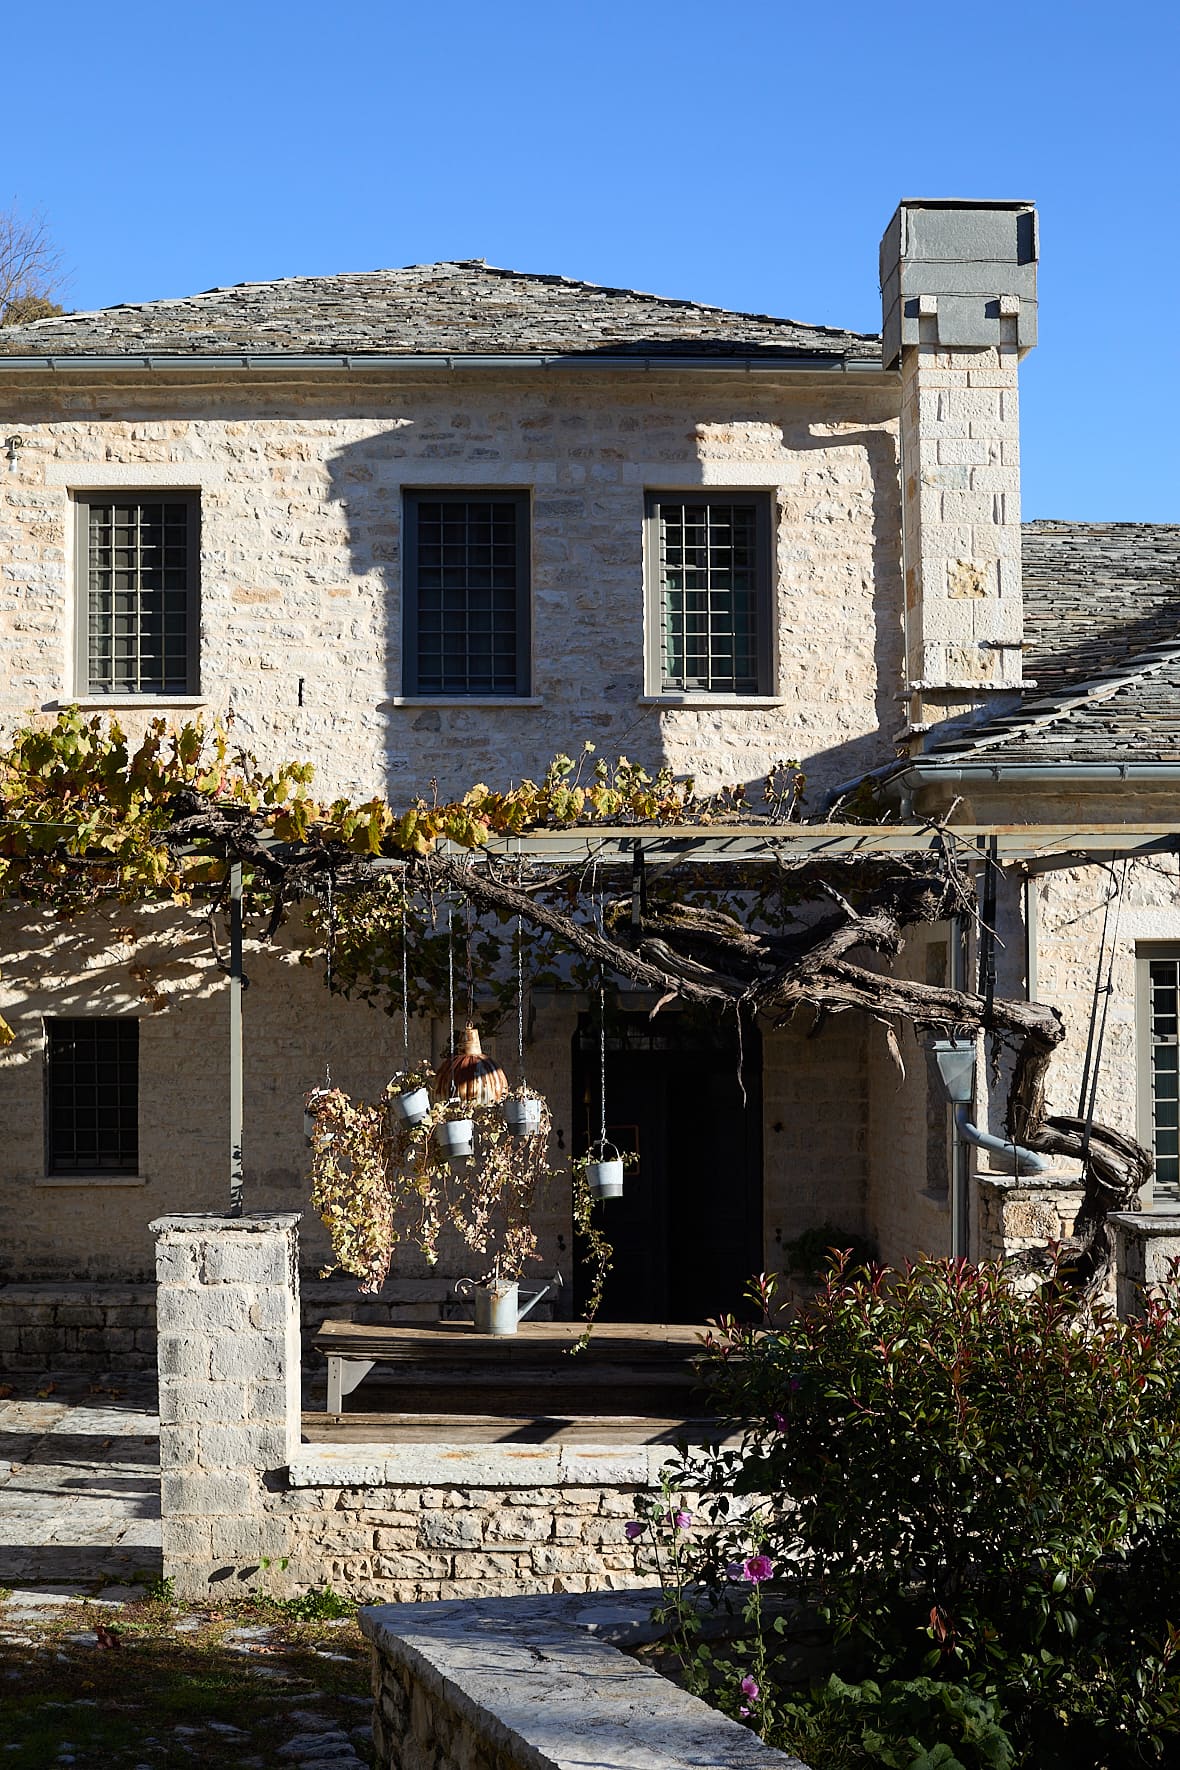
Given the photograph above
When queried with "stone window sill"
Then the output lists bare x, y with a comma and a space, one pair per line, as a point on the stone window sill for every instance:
710, 703
463, 700
92, 1180
112, 701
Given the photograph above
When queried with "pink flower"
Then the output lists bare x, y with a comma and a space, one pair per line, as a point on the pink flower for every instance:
682, 1520
634, 1530
780, 1421
750, 1688
757, 1568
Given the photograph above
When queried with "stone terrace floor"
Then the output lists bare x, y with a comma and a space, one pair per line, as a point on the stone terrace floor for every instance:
79, 1484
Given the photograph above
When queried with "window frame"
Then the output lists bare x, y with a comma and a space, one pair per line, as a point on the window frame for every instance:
190, 497
54, 1166
765, 653
521, 501
1147, 953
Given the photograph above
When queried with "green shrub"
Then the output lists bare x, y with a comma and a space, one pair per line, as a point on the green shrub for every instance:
972, 1486
920, 1724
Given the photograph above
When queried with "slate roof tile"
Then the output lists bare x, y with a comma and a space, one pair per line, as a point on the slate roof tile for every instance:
464, 307
1102, 630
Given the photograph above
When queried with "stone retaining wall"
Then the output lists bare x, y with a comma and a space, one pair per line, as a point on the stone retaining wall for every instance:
539, 1684
398, 1524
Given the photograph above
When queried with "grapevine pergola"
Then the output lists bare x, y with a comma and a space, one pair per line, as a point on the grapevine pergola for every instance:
86, 812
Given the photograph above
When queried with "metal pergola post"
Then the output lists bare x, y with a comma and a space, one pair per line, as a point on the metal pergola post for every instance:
236, 984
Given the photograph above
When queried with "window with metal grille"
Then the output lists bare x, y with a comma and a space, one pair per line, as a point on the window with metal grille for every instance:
709, 558
138, 558
92, 1096
467, 593
1163, 1058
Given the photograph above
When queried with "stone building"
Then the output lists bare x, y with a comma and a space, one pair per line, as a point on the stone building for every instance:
442, 522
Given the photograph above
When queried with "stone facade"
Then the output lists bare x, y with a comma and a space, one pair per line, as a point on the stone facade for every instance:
301, 471
301, 488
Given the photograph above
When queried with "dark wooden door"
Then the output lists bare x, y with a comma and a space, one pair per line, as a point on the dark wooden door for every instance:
687, 1233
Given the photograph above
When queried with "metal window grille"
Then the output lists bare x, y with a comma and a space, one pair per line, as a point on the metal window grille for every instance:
140, 595
467, 581
92, 1096
712, 577
1163, 982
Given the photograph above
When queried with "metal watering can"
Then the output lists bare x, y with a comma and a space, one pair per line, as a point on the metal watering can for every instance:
497, 1302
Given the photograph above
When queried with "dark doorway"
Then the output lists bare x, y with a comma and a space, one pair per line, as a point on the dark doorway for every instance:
687, 1233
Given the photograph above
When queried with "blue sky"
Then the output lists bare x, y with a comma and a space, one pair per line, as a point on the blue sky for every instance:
746, 154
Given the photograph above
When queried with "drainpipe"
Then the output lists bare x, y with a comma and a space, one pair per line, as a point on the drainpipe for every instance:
1024, 1161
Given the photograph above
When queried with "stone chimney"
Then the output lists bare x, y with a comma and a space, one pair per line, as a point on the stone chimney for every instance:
959, 296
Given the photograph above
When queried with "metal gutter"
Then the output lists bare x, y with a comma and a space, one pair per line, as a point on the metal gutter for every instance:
360, 362
1061, 773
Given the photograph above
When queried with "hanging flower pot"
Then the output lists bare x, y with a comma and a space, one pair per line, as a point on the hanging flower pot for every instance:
313, 1102
522, 1114
469, 1075
412, 1106
454, 1138
604, 1171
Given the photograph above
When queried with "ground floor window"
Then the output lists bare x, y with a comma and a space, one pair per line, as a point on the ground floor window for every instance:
1159, 1060
92, 1096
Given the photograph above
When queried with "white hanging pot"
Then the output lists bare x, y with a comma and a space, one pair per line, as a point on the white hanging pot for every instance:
412, 1106
522, 1115
454, 1137
310, 1111
604, 1172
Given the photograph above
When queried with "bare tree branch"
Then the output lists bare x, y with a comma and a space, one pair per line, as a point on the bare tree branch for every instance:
30, 268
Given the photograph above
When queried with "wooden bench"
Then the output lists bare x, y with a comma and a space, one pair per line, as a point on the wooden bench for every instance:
447, 1368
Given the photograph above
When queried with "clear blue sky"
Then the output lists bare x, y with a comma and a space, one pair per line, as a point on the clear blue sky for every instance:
747, 154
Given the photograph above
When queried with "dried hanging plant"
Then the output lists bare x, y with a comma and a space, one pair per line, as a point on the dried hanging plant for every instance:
378, 1182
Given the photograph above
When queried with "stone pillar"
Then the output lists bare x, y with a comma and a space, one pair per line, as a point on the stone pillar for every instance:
958, 287
1145, 1245
228, 1324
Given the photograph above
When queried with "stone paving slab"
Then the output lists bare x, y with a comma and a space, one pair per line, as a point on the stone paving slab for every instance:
79, 1483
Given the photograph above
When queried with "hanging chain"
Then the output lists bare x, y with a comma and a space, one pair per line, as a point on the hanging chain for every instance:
451, 974
520, 1000
470, 966
596, 899
405, 973
331, 942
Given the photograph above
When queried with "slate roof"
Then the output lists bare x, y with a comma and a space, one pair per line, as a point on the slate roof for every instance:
1102, 631
467, 307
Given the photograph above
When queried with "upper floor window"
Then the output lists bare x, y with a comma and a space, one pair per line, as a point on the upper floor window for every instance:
92, 1096
709, 569
466, 593
138, 607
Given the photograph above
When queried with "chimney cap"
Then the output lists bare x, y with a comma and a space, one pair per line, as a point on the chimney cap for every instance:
951, 270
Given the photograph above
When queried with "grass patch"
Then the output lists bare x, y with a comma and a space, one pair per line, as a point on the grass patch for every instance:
175, 1698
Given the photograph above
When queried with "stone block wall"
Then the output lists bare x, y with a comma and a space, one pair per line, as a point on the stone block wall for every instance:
1147, 1256
228, 1317
1012, 1216
77, 1327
